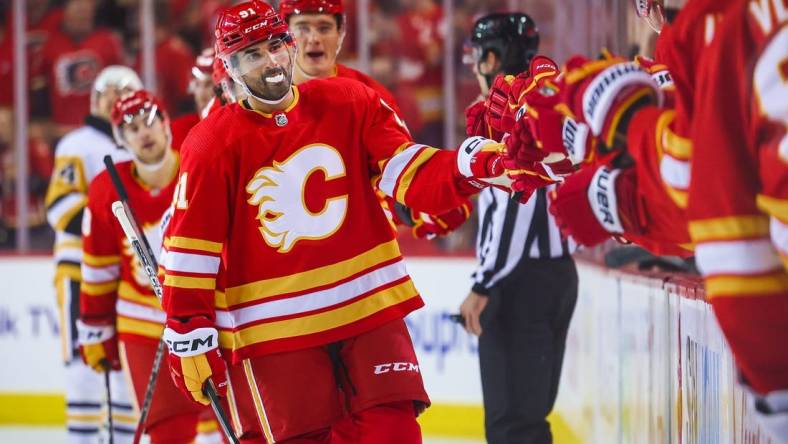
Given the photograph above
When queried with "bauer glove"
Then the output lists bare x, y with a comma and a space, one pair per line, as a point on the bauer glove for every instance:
98, 345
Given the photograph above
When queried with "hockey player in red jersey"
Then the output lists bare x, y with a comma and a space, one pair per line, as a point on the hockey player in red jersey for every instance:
201, 87
121, 320
276, 189
738, 195
727, 127
319, 29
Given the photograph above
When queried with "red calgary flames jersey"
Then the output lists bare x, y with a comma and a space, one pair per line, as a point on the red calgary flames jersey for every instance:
285, 203
739, 188
385, 94
113, 281
71, 67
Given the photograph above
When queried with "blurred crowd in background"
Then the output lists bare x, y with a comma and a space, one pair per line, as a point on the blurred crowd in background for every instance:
408, 42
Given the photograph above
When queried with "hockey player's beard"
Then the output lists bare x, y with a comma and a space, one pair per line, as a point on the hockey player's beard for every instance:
270, 91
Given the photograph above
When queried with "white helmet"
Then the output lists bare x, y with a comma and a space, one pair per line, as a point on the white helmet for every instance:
119, 76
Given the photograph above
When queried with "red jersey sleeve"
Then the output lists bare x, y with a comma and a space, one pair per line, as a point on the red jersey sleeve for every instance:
101, 254
418, 176
199, 226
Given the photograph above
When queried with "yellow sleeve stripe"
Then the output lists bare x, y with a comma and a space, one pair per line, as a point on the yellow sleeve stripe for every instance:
679, 197
190, 282
725, 228
139, 327
731, 286
193, 244
675, 145
66, 270
408, 175
773, 206
99, 261
98, 289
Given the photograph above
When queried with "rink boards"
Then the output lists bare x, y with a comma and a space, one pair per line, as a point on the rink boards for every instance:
645, 361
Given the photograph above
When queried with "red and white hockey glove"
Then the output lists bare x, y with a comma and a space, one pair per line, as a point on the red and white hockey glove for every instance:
537, 101
98, 345
427, 226
529, 167
499, 115
605, 94
475, 124
194, 357
595, 203
479, 164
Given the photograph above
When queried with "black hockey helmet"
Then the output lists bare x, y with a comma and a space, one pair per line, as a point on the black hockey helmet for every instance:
512, 36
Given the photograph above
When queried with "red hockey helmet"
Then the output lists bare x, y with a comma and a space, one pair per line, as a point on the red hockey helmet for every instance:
134, 104
245, 24
290, 7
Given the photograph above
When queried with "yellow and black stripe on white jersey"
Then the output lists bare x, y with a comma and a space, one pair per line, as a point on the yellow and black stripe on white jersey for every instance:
78, 159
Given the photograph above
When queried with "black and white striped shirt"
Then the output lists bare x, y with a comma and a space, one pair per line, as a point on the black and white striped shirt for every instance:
510, 231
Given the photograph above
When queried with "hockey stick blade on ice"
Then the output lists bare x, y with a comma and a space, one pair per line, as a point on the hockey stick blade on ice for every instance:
142, 250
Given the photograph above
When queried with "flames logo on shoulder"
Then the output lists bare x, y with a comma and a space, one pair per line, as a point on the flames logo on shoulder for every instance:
279, 193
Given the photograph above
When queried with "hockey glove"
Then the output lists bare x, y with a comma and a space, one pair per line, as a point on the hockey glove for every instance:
595, 204
498, 115
479, 164
426, 226
194, 357
605, 94
98, 345
475, 124
538, 104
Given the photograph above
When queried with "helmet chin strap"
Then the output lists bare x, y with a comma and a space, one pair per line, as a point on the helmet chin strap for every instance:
152, 167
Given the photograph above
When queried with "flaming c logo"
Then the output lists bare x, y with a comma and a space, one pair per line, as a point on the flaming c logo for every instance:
278, 191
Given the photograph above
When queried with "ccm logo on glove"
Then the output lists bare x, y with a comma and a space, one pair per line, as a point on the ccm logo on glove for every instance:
196, 342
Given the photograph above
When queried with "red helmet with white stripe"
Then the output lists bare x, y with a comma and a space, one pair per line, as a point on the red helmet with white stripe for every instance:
134, 104
245, 24
290, 7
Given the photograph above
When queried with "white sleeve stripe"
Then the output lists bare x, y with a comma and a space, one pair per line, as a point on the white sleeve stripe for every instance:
394, 168
779, 234
100, 274
190, 262
674, 172
66, 204
737, 257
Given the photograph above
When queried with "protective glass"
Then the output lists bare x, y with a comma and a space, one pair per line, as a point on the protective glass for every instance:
268, 54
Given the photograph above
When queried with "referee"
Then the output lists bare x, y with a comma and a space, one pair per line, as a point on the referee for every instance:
525, 284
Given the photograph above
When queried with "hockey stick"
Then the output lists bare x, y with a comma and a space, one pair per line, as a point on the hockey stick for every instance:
139, 243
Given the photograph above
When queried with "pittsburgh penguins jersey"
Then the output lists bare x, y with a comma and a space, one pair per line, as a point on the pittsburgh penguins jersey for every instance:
283, 203
78, 159
113, 281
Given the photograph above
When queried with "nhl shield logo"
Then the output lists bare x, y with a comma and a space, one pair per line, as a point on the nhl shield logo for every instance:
280, 119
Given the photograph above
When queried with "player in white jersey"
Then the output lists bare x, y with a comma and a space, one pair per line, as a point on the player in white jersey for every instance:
78, 159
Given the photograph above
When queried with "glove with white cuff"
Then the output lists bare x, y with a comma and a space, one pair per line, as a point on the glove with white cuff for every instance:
98, 345
479, 163
194, 357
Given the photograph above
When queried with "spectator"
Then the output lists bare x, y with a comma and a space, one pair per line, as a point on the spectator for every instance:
71, 59
421, 64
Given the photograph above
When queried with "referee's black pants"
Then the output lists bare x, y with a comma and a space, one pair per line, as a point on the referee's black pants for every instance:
521, 349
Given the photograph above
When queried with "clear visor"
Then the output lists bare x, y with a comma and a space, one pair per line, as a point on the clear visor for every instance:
652, 11
264, 70
268, 55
